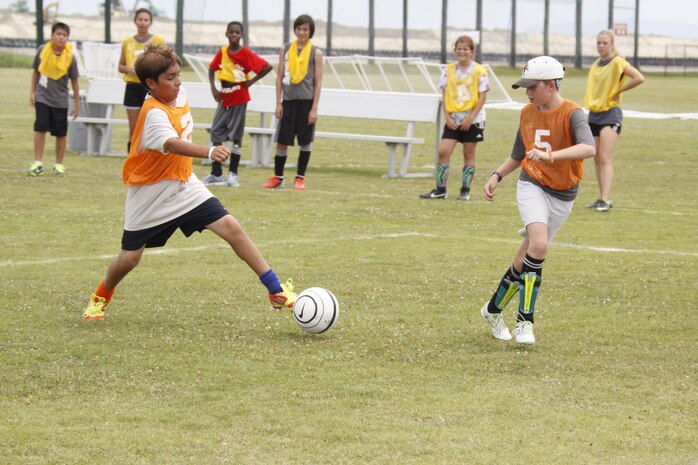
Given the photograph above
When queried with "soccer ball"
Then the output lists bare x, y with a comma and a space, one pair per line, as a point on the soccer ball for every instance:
316, 309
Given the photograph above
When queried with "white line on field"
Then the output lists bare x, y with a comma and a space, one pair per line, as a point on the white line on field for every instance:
160, 251
599, 249
362, 237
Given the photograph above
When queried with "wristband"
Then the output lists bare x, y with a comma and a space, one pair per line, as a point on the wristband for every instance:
498, 174
210, 151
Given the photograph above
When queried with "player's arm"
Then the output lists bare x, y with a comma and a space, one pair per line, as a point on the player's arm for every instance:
280, 84
32, 89
447, 116
317, 87
509, 165
216, 152
266, 70
76, 95
123, 68
468, 121
636, 78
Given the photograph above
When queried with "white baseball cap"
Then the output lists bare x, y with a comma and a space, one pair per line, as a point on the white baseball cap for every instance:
542, 68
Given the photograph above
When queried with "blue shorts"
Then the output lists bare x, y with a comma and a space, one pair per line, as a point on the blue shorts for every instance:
194, 220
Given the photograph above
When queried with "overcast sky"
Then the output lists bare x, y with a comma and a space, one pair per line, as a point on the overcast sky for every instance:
677, 18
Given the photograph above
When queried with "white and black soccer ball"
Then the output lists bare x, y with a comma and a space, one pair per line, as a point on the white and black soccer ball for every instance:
316, 309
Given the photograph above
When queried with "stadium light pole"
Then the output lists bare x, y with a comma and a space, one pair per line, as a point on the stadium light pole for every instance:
404, 28
179, 33
39, 22
329, 28
371, 27
512, 57
578, 36
637, 34
478, 26
444, 22
546, 28
287, 21
107, 21
610, 15
245, 24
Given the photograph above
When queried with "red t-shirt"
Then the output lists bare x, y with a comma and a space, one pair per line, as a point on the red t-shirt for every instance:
246, 61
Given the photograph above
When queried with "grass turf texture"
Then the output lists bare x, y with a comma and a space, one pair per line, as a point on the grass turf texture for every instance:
191, 367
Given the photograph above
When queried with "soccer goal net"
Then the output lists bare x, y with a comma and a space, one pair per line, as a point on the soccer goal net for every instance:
359, 72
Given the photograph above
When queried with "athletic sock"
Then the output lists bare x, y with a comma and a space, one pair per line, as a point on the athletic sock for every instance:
280, 162
303, 159
441, 176
531, 277
235, 155
234, 162
507, 288
271, 281
102, 291
467, 176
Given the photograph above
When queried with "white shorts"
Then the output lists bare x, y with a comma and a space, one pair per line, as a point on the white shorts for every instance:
537, 206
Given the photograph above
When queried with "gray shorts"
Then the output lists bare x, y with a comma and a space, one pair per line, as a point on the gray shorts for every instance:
537, 206
228, 123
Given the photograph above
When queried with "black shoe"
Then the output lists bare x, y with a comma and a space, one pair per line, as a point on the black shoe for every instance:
595, 205
464, 194
435, 194
604, 206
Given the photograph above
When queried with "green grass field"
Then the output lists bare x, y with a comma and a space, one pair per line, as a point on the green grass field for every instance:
191, 366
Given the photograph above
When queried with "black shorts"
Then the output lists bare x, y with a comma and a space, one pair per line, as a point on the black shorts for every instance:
194, 220
134, 95
474, 134
596, 128
51, 119
295, 123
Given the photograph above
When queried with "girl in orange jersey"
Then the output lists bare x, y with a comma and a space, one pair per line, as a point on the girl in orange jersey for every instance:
164, 194
551, 143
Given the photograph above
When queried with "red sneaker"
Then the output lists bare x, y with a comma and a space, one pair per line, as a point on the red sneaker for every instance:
299, 184
273, 183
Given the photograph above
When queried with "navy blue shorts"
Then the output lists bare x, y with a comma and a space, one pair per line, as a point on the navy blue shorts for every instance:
194, 220
51, 119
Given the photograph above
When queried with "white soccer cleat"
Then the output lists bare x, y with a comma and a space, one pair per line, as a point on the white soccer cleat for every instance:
524, 333
496, 322
233, 180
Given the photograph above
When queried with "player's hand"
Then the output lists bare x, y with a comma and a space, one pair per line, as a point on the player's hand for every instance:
220, 154
489, 188
451, 124
216, 94
465, 124
538, 155
279, 111
312, 117
75, 112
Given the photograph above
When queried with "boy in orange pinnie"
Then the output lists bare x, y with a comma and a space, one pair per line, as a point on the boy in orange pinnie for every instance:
164, 194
